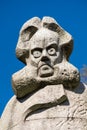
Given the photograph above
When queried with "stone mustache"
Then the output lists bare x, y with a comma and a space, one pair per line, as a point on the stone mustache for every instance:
48, 92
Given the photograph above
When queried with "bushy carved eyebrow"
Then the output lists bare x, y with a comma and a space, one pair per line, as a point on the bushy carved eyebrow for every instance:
52, 44
36, 48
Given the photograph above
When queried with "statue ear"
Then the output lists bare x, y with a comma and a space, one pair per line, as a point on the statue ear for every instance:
66, 48
26, 32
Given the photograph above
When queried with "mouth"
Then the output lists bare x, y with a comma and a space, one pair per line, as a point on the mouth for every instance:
44, 65
45, 70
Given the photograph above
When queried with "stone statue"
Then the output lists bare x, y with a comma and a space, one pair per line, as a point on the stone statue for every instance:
48, 92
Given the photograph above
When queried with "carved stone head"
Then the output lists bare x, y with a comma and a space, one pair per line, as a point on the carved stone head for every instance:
45, 48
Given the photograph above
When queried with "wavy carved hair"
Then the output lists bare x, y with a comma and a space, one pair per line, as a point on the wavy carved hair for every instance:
32, 26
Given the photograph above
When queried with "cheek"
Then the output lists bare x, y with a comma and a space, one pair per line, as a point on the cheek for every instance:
56, 59
59, 57
53, 60
34, 61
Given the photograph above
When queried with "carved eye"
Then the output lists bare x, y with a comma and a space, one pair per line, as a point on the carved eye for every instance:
51, 51
36, 53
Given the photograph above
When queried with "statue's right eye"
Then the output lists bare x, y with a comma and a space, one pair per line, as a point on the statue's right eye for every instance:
37, 53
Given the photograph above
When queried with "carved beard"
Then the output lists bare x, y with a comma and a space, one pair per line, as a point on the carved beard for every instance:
26, 80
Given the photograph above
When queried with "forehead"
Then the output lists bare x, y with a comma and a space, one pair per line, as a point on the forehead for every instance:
44, 38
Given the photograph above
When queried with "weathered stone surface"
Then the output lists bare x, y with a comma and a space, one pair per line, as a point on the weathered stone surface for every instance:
30, 113
48, 92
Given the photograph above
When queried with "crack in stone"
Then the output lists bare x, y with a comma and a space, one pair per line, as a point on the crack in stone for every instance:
58, 117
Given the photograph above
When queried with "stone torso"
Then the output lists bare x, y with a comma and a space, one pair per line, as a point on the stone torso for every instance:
70, 114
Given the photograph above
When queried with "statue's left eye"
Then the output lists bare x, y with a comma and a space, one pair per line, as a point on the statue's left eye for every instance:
36, 53
51, 51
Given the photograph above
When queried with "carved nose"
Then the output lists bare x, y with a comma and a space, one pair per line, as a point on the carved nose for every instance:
45, 56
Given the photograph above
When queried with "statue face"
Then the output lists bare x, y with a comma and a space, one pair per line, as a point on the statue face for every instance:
44, 52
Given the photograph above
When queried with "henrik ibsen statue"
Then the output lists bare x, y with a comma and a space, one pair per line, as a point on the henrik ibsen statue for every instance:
48, 92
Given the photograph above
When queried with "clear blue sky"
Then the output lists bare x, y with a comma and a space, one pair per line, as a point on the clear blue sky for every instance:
70, 14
